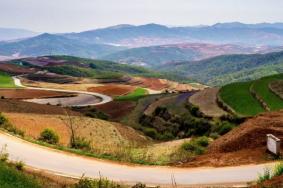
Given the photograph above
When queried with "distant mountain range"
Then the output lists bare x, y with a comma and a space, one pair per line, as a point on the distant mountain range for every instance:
225, 69
150, 44
47, 44
158, 55
13, 34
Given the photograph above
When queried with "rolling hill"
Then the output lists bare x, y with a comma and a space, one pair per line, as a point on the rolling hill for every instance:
157, 55
225, 69
48, 44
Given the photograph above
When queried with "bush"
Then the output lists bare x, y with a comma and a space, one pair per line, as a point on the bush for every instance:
202, 141
225, 127
19, 165
4, 155
278, 169
265, 176
151, 132
139, 185
214, 135
81, 143
49, 136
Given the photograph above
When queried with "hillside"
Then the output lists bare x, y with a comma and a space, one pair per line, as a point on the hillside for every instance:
229, 68
158, 55
47, 44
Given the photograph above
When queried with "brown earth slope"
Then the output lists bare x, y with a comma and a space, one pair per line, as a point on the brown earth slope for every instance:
245, 144
206, 100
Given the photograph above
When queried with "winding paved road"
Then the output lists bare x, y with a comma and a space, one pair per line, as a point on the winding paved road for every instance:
87, 102
74, 166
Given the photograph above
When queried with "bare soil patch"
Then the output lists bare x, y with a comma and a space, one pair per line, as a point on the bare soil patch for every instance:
245, 144
50, 77
103, 135
16, 106
15, 69
206, 100
277, 87
117, 109
113, 89
31, 94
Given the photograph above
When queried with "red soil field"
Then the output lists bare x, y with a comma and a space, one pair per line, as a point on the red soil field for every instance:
113, 89
15, 69
30, 94
16, 106
117, 109
151, 83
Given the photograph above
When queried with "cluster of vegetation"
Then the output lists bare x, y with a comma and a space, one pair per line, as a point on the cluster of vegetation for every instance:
251, 98
6, 81
49, 136
5, 124
99, 183
134, 96
225, 69
197, 145
164, 124
269, 174
92, 112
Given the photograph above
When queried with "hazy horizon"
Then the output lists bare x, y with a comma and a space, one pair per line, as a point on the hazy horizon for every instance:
56, 16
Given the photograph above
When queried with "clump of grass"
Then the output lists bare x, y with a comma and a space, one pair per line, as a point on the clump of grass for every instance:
100, 183
19, 165
269, 174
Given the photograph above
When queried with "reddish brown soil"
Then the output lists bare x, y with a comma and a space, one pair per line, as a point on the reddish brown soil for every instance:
15, 106
15, 69
151, 83
243, 145
113, 89
30, 94
50, 77
276, 182
117, 109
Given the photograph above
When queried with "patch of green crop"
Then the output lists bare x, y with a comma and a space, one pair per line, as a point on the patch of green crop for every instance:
6, 81
240, 99
261, 87
134, 96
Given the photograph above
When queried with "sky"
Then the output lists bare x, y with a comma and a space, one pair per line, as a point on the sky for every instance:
79, 15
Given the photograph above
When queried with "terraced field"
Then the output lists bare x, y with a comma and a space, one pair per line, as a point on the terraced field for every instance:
133, 96
239, 98
252, 98
261, 87
277, 87
6, 81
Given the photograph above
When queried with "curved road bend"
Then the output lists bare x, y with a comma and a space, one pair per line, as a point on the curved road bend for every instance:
104, 98
67, 164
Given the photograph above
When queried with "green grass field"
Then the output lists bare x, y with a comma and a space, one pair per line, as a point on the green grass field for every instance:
6, 81
134, 96
261, 87
239, 98
12, 178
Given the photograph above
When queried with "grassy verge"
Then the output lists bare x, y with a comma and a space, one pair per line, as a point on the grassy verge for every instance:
10, 177
6, 81
134, 96
261, 87
240, 99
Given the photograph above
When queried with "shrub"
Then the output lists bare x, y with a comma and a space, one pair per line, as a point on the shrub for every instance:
202, 141
189, 146
49, 136
19, 165
225, 128
278, 169
214, 135
139, 185
151, 132
81, 143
